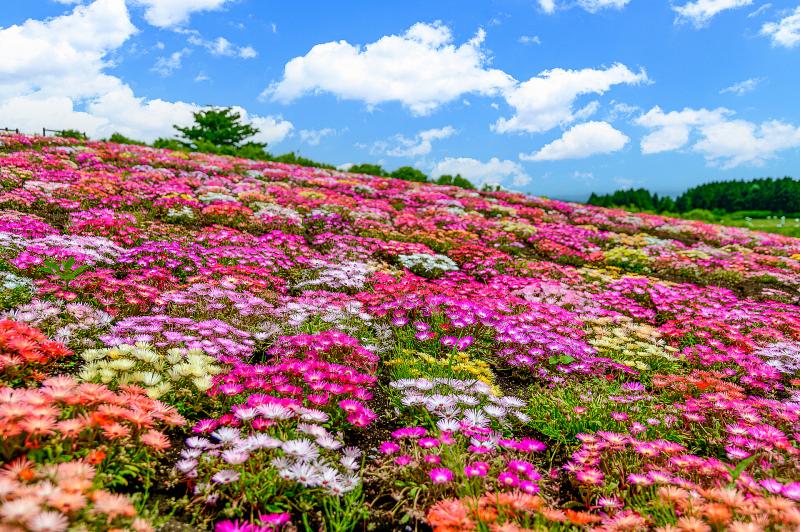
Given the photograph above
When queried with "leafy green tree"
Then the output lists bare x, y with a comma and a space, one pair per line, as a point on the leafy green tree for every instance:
456, 181
71, 134
409, 173
219, 128
369, 169
119, 138
169, 144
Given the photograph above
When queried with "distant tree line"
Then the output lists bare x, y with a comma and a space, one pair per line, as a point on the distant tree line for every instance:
221, 131
780, 195
409, 173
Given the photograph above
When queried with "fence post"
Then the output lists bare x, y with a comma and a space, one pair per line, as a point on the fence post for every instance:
44, 132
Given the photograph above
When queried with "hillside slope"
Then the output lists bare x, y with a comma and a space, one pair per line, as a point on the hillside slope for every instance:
252, 342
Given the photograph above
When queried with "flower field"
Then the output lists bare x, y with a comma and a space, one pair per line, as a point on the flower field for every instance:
207, 343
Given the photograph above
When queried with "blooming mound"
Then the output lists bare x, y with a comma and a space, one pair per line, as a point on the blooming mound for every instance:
231, 345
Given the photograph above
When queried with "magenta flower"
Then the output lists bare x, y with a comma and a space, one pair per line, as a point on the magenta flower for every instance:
389, 447
402, 460
432, 459
508, 479
428, 443
474, 470
441, 475
528, 486
409, 432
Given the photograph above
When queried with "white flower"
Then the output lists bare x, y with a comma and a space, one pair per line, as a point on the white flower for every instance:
302, 449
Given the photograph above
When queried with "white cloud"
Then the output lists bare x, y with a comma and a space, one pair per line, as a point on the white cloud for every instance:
729, 144
548, 6
529, 39
221, 46
166, 65
494, 171
592, 6
742, 87
785, 32
582, 140
759, 11
700, 12
546, 101
171, 13
723, 141
313, 137
52, 74
672, 129
273, 129
422, 69
420, 144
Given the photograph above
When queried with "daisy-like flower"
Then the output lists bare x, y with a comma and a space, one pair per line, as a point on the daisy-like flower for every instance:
441, 475
225, 476
235, 456
48, 521
155, 440
302, 449
508, 479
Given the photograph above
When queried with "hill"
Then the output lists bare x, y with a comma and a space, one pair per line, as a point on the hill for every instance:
219, 343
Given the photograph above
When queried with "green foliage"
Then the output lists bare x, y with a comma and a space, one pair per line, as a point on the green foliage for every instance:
409, 173
456, 181
292, 158
169, 144
65, 269
219, 127
119, 138
757, 197
71, 134
369, 169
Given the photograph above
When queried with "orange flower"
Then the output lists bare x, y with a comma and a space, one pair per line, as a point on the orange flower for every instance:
155, 440
96, 456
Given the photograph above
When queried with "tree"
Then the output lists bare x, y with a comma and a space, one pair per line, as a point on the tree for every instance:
457, 181
71, 134
220, 128
369, 169
409, 173
119, 138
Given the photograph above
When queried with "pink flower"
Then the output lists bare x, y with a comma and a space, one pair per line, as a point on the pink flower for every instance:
528, 486
428, 443
433, 459
389, 447
474, 471
441, 475
592, 477
402, 460
508, 479
409, 432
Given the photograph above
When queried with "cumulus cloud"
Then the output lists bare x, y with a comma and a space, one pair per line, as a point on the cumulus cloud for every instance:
742, 87
546, 101
722, 140
731, 143
672, 130
700, 12
785, 32
419, 144
582, 140
172, 13
422, 69
52, 74
494, 171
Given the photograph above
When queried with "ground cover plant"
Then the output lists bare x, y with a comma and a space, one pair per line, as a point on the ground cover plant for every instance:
198, 342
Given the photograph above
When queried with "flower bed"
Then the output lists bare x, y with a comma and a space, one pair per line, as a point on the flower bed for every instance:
231, 345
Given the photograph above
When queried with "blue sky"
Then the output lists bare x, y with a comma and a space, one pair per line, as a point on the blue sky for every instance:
553, 97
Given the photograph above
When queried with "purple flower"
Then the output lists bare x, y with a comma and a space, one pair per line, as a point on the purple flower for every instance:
226, 476
771, 485
441, 475
791, 491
